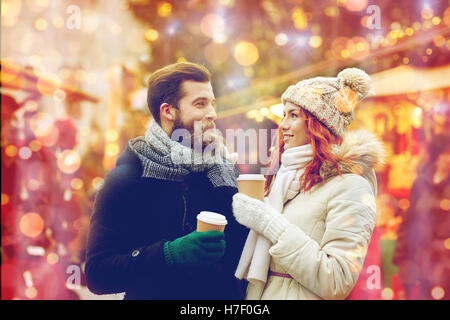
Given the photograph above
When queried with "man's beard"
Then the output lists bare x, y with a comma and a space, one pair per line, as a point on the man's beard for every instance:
199, 133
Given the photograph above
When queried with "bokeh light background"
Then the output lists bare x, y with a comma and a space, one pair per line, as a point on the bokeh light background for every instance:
73, 91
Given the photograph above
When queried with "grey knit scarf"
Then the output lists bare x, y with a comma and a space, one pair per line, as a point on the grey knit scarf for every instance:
164, 158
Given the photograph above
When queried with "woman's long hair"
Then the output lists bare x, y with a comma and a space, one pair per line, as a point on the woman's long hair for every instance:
321, 139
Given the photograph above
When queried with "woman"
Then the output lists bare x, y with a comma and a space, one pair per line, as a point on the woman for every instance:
319, 212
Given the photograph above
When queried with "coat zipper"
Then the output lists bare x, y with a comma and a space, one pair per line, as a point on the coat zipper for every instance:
185, 211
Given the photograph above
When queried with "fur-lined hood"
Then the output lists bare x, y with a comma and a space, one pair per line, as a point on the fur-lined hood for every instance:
360, 153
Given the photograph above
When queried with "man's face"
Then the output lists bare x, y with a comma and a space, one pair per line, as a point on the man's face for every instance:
196, 110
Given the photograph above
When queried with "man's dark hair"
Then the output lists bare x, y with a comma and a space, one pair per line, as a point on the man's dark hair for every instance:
165, 84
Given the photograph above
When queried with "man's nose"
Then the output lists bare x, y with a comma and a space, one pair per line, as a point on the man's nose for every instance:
211, 115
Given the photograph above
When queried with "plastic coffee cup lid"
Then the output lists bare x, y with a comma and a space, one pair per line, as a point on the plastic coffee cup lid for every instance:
212, 218
251, 177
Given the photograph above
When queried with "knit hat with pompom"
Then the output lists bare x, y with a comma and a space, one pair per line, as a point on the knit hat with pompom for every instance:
331, 100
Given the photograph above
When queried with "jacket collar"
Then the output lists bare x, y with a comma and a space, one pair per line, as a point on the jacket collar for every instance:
360, 153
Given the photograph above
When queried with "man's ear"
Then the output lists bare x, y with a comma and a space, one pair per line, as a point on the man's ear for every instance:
166, 111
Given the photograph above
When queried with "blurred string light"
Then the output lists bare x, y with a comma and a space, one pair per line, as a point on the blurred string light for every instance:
227, 3
426, 12
315, 41
5, 199
437, 293
67, 196
273, 112
277, 109
152, 35
68, 161
41, 24
164, 9
212, 25
50, 139
24, 195
111, 135
90, 21
236, 82
356, 5
344, 48
172, 27
112, 149
41, 124
445, 204
447, 16
97, 183
76, 183
31, 224
59, 95
416, 117
265, 112
281, 39
11, 151
332, 11
300, 18
220, 38
387, 294
246, 53
30, 291
52, 258
35, 251
33, 184
403, 204
58, 22
301, 41
447, 244
25, 153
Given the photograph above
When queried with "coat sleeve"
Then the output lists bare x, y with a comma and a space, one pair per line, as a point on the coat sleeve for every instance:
331, 268
235, 236
112, 264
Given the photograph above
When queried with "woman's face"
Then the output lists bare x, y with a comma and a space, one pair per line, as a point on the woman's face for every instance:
293, 127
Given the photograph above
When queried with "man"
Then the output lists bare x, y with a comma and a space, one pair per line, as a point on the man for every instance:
143, 238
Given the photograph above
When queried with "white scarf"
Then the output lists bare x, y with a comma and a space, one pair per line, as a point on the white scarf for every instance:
255, 258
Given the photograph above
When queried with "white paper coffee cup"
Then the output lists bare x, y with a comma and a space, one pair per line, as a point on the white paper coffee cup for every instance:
211, 221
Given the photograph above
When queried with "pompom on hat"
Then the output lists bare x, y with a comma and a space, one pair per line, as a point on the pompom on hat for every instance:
331, 100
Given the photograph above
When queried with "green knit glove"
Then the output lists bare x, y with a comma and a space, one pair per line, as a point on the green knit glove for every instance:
196, 248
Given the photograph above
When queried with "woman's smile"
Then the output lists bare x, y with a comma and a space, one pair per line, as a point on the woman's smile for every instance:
287, 136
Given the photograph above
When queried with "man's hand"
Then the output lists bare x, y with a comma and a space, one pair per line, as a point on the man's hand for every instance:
196, 248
